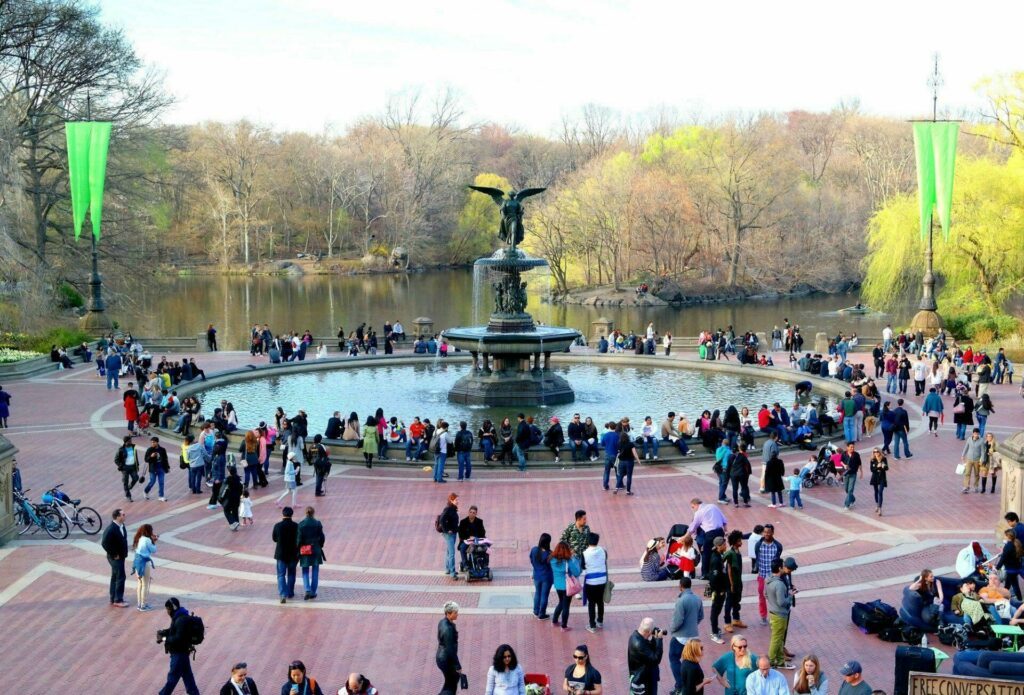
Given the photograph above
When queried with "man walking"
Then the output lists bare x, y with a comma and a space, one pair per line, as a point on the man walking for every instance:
286, 553
178, 644
158, 467
900, 429
974, 450
464, 451
780, 599
686, 618
522, 441
708, 522
852, 463
127, 462
766, 551
849, 408
440, 449
112, 365
643, 657
115, 544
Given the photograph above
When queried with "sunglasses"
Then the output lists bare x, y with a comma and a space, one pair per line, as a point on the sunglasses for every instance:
579, 656
740, 646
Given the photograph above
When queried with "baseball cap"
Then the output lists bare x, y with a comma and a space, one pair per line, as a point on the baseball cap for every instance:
791, 564
850, 668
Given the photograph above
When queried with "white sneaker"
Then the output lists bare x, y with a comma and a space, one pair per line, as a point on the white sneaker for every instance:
211, 506
163, 499
145, 495
558, 460
647, 457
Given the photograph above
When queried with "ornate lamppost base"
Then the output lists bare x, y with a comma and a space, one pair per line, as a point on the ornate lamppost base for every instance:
928, 322
96, 321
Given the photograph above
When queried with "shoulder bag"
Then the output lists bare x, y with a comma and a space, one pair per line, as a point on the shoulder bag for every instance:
573, 585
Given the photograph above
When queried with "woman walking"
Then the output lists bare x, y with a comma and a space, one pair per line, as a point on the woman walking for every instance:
690, 671
1010, 561
982, 412
368, 440
311, 552
774, 471
289, 480
231, 497
142, 565
447, 656
879, 477
540, 560
299, 683
990, 463
595, 559
932, 409
581, 678
250, 451
963, 413
563, 564
5, 407
505, 676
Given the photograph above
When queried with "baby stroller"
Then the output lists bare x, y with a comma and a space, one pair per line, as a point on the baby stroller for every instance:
823, 471
478, 561
676, 564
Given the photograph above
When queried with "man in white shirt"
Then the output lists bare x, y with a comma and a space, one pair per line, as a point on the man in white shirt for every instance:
886, 337
920, 374
766, 680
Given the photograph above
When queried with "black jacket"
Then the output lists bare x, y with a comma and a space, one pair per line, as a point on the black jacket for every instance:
176, 641
286, 537
464, 441
447, 646
450, 519
575, 431
334, 428
523, 435
644, 655
471, 529
157, 457
230, 689
115, 543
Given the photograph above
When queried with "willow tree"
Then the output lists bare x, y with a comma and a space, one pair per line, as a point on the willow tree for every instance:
980, 265
476, 231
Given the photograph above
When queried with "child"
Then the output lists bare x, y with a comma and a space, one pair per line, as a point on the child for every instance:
812, 463
795, 481
751, 542
245, 509
144, 422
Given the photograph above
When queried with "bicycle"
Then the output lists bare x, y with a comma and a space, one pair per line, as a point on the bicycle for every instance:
27, 515
85, 518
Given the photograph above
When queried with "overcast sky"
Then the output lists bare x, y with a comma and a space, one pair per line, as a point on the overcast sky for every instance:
305, 64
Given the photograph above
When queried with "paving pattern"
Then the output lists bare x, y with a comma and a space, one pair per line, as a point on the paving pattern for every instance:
383, 585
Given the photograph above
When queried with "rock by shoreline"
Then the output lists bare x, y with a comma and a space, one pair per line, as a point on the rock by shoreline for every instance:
670, 293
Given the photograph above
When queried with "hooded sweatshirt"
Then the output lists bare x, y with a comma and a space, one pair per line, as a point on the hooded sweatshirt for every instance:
777, 594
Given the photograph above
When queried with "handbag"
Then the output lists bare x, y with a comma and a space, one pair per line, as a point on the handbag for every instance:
463, 681
306, 550
960, 468
573, 585
608, 586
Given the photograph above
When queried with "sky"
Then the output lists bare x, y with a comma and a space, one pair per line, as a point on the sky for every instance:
312, 64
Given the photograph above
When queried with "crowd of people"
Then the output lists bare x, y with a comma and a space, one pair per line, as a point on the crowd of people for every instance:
576, 565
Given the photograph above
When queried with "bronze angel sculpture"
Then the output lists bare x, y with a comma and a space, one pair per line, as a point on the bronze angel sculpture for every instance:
511, 230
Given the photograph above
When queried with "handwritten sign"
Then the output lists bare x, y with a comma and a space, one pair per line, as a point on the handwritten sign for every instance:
939, 684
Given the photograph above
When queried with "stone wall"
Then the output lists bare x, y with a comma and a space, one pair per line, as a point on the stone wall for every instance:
7, 452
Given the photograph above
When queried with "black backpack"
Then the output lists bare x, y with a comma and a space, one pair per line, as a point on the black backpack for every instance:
194, 629
874, 617
438, 526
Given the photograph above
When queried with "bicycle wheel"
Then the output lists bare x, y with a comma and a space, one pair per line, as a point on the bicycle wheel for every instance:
89, 520
22, 520
55, 525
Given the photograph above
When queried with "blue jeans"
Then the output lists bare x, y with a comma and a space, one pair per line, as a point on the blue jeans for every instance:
286, 579
488, 446
195, 478
521, 455
850, 428
683, 448
879, 495
112, 384
609, 463
439, 460
418, 443
777, 498
982, 419
850, 482
794, 499
900, 436
890, 383
723, 484
251, 475
382, 450
449, 553
156, 478
675, 655
541, 591
181, 670
311, 578
625, 473
652, 444
961, 431
465, 464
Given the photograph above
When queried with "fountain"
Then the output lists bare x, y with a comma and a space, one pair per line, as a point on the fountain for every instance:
511, 354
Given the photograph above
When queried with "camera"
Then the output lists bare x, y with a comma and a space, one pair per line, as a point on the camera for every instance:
161, 635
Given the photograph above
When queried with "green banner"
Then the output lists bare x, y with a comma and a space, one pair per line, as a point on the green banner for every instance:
935, 146
79, 136
944, 138
87, 169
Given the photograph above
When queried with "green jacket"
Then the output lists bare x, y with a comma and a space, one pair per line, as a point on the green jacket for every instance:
576, 538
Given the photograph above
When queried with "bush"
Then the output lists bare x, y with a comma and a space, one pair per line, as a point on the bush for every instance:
68, 296
61, 337
980, 326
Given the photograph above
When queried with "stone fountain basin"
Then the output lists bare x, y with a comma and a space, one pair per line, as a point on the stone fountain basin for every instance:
540, 339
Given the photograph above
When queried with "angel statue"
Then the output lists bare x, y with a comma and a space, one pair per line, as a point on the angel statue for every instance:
511, 230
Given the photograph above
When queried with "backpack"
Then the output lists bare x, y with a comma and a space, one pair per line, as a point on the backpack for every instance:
874, 616
438, 526
437, 444
195, 630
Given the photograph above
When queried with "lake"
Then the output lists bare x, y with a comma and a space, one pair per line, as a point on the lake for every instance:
179, 306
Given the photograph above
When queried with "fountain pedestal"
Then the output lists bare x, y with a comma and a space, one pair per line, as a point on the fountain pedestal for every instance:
511, 354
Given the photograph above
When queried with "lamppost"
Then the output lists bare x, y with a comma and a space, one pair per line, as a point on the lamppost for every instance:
935, 148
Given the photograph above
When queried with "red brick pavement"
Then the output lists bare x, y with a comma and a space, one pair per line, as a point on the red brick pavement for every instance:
385, 558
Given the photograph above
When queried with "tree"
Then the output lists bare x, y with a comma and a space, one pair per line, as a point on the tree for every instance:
981, 264
478, 222
58, 63
1003, 120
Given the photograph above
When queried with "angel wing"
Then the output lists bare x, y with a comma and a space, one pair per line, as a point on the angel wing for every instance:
496, 194
527, 192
